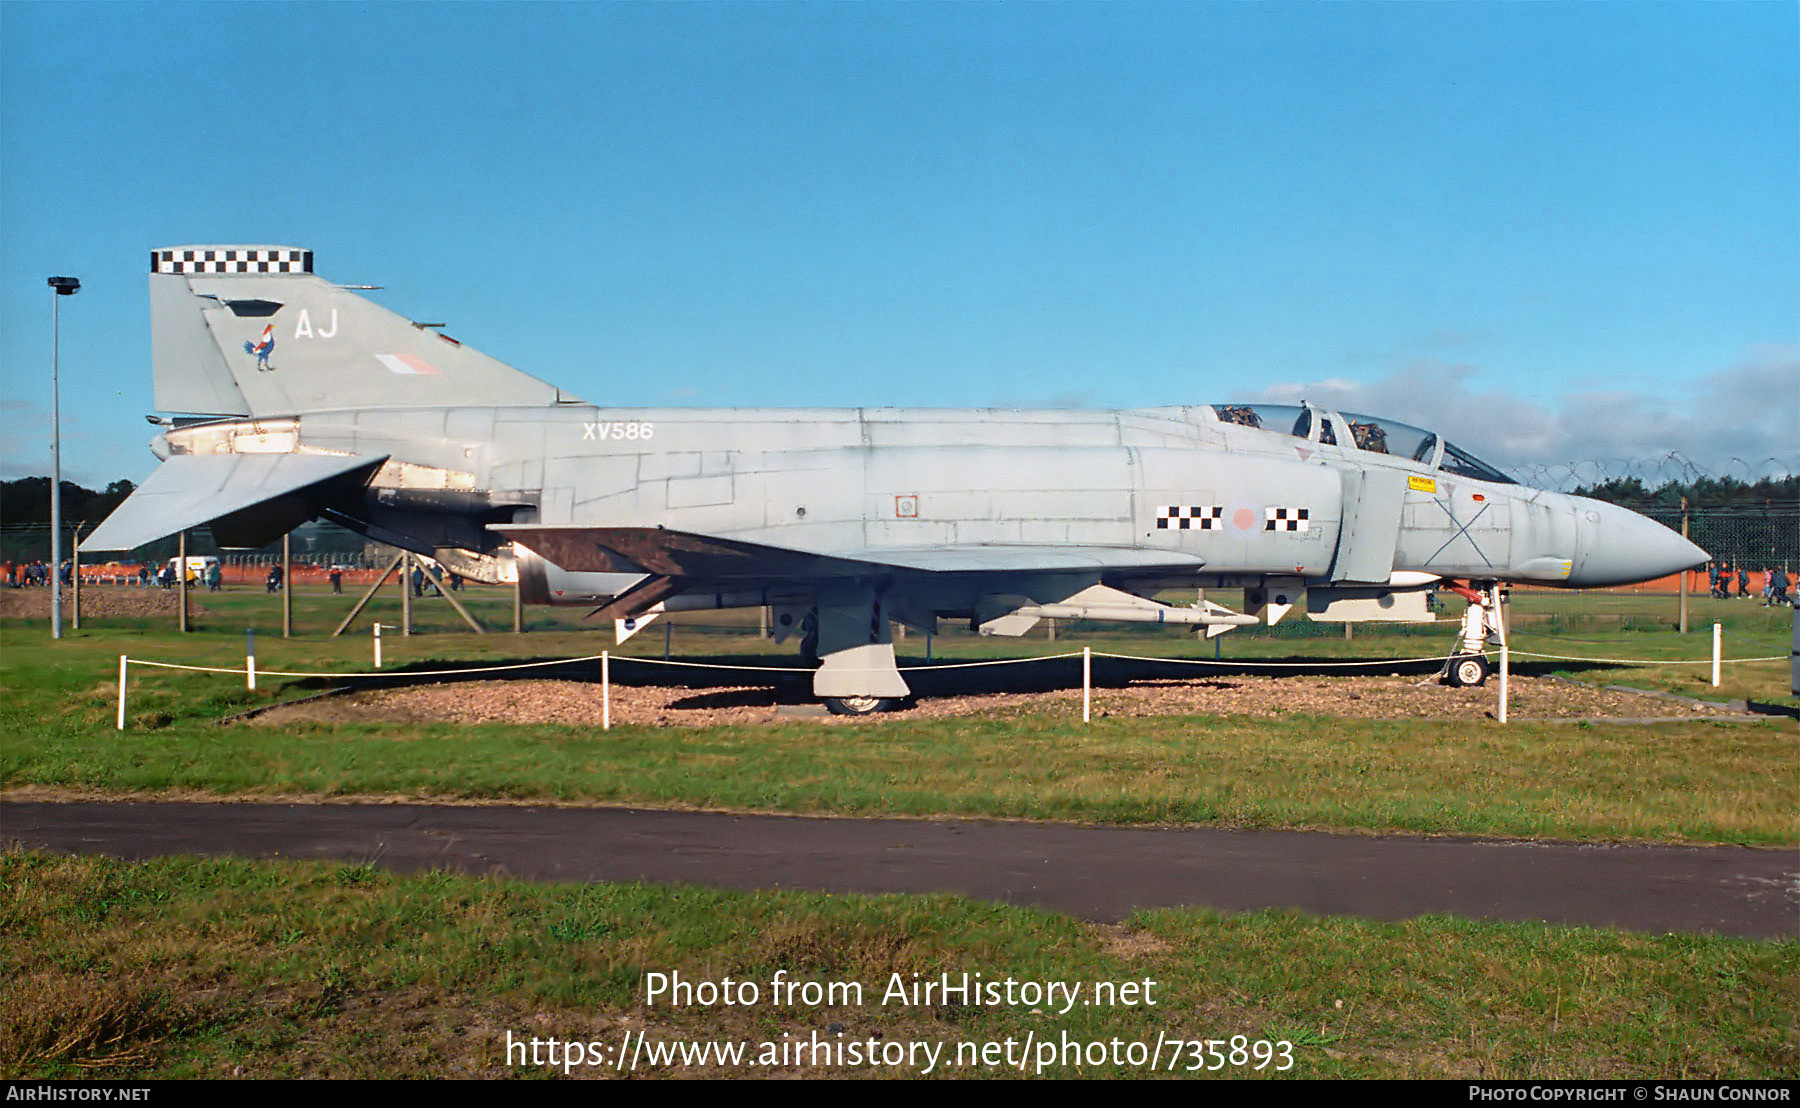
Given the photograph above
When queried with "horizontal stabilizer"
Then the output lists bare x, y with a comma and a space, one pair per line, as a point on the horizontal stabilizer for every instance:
190, 490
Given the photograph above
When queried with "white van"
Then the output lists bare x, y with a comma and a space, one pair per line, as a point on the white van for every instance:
197, 566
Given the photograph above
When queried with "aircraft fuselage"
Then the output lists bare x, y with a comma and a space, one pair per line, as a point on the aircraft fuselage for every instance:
1245, 502
313, 401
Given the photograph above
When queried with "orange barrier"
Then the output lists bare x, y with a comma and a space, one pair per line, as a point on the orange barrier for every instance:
307, 574
111, 573
1698, 583
303, 575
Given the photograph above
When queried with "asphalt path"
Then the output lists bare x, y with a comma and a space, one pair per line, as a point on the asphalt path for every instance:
1099, 873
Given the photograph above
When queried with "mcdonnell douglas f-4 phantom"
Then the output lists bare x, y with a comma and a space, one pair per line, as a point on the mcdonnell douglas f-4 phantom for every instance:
294, 398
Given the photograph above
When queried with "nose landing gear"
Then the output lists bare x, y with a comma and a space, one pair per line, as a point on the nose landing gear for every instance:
1467, 671
1469, 666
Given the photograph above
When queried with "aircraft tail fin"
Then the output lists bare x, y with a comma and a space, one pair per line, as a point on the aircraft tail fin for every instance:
250, 331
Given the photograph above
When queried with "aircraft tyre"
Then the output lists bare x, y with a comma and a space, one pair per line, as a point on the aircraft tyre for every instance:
861, 705
1468, 671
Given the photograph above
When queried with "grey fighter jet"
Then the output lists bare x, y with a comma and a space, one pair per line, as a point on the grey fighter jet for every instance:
294, 398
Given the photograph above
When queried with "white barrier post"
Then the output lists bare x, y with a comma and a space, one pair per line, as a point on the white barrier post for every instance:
1087, 681
1505, 654
121, 692
1504, 673
605, 691
378, 646
1715, 656
1794, 657
250, 658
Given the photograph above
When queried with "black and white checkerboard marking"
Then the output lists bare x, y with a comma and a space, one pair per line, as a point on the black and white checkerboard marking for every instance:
1193, 517
231, 261
1285, 519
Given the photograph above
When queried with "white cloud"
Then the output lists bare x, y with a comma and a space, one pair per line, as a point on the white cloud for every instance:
1742, 419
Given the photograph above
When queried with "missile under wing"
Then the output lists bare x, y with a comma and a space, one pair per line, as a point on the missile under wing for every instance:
293, 398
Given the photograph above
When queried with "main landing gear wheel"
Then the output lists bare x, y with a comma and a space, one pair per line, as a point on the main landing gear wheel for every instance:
861, 705
1468, 671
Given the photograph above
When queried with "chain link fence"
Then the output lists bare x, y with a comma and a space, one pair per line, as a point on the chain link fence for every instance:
1755, 539
311, 544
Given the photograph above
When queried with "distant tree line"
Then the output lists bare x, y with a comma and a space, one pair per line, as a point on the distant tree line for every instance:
25, 525
1754, 525
1753, 520
27, 501
25, 514
1768, 493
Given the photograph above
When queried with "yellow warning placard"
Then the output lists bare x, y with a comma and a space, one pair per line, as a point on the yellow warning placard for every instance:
1421, 484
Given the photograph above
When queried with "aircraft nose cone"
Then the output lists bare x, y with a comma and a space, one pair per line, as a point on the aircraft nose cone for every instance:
1620, 547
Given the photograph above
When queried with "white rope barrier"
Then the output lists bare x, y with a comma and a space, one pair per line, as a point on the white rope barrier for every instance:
379, 673
935, 666
251, 672
1243, 664
931, 668
1644, 661
713, 665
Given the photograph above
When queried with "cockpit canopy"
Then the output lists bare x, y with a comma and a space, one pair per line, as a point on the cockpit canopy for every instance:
1369, 433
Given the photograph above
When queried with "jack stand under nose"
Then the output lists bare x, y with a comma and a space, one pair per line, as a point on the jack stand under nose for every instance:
1469, 666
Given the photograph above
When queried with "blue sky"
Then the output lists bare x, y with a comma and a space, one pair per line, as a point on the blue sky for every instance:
1557, 231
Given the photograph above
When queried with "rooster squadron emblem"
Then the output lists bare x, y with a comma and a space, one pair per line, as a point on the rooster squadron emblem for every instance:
262, 348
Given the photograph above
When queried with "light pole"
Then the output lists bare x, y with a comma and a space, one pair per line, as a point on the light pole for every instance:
61, 286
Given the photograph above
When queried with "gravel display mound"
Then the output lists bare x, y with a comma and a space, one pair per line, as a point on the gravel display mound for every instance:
578, 704
99, 602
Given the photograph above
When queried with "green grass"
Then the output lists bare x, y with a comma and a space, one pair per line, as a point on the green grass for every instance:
1591, 624
1697, 781
187, 968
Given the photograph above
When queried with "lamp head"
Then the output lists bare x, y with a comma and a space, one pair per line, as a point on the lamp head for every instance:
65, 286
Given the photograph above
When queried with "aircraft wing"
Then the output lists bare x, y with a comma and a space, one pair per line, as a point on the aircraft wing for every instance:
189, 490
682, 554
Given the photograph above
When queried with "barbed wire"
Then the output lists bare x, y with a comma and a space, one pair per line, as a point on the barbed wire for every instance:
1672, 468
